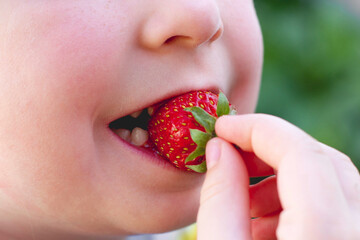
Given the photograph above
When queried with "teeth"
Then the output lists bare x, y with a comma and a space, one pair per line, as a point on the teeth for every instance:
124, 134
150, 110
136, 114
139, 136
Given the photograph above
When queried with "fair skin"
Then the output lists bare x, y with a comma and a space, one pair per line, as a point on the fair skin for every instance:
68, 68
314, 195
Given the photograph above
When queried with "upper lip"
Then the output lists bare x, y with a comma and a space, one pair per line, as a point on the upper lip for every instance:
163, 99
155, 103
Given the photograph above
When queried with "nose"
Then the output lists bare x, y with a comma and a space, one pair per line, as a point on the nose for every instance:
188, 23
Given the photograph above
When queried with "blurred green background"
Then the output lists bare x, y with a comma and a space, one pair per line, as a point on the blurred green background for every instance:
311, 71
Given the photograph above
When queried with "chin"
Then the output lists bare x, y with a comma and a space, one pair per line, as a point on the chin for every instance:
174, 211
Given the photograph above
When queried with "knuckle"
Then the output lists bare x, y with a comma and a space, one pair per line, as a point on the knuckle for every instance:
212, 190
336, 154
209, 191
343, 222
315, 225
305, 146
343, 157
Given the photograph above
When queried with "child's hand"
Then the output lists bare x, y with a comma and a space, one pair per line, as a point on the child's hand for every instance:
317, 186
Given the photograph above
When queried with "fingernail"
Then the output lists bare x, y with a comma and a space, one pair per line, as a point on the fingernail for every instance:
213, 151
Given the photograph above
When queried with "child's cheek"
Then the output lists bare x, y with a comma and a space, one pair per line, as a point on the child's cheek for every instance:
66, 52
244, 39
54, 70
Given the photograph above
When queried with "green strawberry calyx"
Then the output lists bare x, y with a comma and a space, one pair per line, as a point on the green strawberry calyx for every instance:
208, 122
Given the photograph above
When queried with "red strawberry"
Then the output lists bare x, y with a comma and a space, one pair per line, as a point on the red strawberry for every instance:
181, 127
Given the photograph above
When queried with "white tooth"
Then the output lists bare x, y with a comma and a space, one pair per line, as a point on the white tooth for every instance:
150, 110
139, 136
136, 114
124, 134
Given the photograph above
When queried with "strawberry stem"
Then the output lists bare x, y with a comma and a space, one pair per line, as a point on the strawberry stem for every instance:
199, 137
203, 118
200, 168
208, 122
223, 107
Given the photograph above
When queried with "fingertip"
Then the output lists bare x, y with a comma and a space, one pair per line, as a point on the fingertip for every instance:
221, 120
234, 128
223, 126
213, 151
224, 202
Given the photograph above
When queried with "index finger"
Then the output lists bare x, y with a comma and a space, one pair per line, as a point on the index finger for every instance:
269, 137
307, 179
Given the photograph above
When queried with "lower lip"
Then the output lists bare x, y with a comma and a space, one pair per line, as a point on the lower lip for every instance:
150, 155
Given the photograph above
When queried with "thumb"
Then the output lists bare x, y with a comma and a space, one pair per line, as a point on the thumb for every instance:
224, 211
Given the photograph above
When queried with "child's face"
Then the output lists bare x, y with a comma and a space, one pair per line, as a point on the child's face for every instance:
68, 68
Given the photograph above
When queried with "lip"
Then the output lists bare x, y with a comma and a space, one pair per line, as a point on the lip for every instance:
148, 154
160, 101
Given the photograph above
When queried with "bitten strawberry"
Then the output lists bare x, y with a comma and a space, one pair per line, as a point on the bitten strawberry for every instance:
181, 127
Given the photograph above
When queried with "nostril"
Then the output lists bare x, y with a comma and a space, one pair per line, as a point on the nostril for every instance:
190, 41
178, 39
184, 23
217, 34
171, 39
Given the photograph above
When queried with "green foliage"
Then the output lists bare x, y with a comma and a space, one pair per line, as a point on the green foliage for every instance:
311, 69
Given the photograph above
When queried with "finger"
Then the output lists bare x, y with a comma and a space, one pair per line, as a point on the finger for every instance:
264, 228
348, 174
224, 204
307, 179
264, 198
255, 166
264, 135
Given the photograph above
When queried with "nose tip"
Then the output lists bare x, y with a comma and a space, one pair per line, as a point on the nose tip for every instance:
189, 40
186, 23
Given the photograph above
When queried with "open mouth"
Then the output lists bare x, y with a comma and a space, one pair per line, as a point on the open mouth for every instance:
169, 136
133, 127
